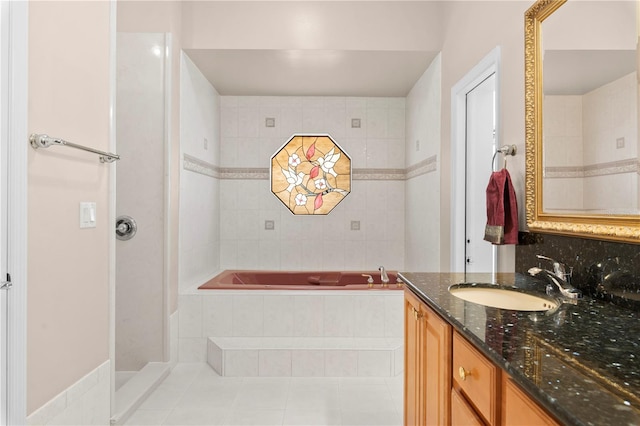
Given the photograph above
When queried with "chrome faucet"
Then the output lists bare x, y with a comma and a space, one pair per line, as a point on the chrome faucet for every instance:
559, 269
383, 276
559, 277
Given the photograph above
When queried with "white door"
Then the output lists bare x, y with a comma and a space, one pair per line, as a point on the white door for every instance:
13, 210
480, 255
3, 219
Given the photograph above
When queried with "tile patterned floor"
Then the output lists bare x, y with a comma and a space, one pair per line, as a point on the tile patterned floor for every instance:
194, 394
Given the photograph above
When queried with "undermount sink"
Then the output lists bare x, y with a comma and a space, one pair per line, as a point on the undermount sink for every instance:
502, 297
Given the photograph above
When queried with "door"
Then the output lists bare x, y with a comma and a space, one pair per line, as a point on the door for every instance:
480, 255
475, 113
4, 307
13, 210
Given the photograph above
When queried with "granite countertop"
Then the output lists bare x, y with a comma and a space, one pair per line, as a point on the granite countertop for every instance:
581, 362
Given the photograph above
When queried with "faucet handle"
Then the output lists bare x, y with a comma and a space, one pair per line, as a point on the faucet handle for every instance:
559, 269
369, 279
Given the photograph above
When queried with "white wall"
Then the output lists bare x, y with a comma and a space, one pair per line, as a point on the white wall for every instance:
324, 242
471, 30
422, 205
68, 270
199, 189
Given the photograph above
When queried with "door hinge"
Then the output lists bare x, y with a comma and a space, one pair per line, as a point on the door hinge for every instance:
6, 285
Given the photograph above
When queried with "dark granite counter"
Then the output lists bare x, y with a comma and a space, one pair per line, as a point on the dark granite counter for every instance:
581, 362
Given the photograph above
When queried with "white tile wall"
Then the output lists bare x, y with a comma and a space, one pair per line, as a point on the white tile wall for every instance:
582, 131
327, 314
246, 204
200, 118
422, 194
86, 402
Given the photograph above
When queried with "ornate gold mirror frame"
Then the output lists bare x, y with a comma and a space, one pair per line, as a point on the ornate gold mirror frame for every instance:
624, 228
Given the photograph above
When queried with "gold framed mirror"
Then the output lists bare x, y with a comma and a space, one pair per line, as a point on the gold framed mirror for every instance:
586, 219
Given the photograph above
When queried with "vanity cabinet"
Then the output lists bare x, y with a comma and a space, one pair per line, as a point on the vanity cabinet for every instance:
447, 381
427, 364
476, 378
519, 409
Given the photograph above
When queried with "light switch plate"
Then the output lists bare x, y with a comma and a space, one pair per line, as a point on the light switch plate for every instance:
87, 215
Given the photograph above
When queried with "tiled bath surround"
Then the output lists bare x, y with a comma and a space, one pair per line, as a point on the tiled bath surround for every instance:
225, 197
307, 320
311, 243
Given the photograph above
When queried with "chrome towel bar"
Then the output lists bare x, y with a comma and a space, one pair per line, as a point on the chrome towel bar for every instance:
45, 141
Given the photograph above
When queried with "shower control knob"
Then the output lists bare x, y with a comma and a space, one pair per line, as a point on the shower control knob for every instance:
126, 228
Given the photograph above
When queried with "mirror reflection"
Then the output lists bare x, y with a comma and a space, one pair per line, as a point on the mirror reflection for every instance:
590, 109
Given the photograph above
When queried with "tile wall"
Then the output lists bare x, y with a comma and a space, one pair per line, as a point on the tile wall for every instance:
305, 315
86, 402
199, 186
376, 204
591, 145
226, 199
422, 154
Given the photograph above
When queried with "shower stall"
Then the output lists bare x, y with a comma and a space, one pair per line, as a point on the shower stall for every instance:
141, 312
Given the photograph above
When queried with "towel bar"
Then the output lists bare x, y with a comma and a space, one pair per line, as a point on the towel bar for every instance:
45, 141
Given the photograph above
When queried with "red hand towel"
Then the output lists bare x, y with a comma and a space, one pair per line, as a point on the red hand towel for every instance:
502, 210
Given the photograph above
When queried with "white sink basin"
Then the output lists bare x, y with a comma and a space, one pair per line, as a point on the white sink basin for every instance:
501, 297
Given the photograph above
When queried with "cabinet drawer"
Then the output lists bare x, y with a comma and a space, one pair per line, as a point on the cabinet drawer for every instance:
476, 377
461, 413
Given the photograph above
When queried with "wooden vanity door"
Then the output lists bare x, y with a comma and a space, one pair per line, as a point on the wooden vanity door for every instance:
427, 365
413, 354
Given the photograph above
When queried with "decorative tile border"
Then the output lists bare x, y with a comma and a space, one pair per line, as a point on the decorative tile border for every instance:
602, 169
378, 174
423, 167
261, 173
196, 165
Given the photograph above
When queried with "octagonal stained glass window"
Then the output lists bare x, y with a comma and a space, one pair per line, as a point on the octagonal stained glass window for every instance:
310, 174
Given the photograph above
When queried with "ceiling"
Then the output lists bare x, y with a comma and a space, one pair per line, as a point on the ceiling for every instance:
576, 72
247, 72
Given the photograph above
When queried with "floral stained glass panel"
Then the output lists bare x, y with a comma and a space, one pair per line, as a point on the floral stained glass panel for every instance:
310, 174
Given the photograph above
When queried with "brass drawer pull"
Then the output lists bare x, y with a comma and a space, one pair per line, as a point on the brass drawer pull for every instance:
463, 373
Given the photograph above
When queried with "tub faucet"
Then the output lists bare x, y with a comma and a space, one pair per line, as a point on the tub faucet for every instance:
383, 276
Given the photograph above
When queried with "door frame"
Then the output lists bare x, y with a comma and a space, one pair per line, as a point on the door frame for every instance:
490, 64
14, 140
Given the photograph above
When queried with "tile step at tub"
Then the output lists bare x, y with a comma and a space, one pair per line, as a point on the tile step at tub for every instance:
305, 356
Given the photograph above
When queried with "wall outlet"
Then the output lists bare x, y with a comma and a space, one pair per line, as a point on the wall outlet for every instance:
355, 225
620, 143
355, 123
206, 143
269, 225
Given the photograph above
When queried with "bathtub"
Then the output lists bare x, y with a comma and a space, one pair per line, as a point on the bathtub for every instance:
299, 280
